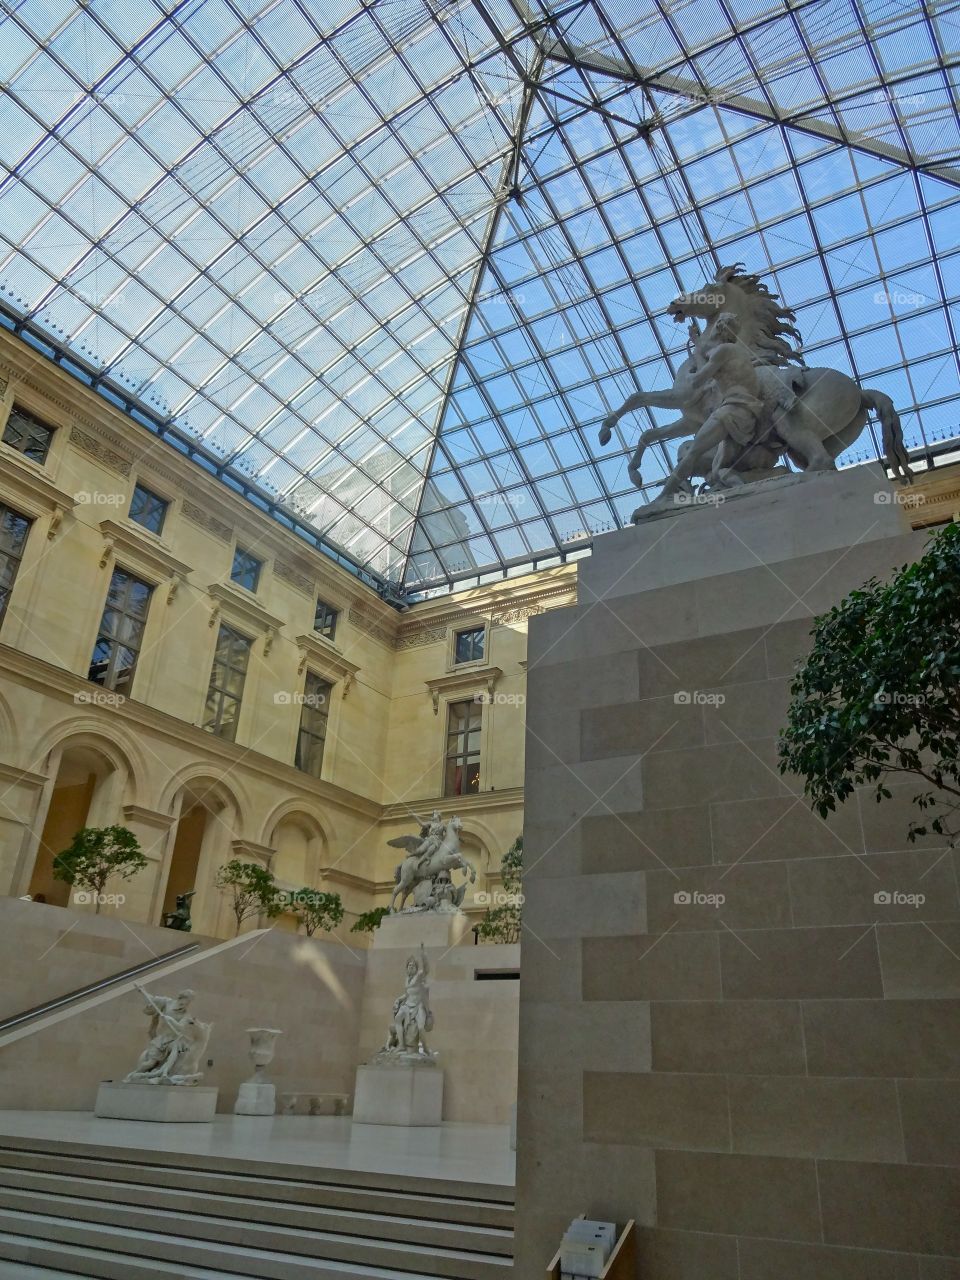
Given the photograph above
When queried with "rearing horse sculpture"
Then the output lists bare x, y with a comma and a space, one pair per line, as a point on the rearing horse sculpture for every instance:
419, 865
811, 415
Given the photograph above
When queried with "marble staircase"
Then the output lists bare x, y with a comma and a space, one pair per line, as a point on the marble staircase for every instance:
127, 1214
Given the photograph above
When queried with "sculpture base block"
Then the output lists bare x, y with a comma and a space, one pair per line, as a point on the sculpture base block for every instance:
256, 1099
164, 1104
409, 929
401, 1094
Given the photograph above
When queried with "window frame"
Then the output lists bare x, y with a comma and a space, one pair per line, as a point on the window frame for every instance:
241, 552
112, 673
7, 557
309, 731
19, 410
221, 690
157, 498
331, 617
462, 757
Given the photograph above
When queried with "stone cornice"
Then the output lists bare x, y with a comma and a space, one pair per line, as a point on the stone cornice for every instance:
234, 604
502, 603
329, 662
137, 813
508, 798
24, 484
20, 777
44, 677
144, 551
475, 679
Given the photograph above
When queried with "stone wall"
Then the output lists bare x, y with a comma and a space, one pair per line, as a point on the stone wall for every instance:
725, 1034
332, 1002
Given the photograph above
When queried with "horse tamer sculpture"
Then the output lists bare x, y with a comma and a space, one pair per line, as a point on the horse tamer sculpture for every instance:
748, 400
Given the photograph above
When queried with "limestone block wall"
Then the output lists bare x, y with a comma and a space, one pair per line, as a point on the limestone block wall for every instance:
476, 1019
727, 1034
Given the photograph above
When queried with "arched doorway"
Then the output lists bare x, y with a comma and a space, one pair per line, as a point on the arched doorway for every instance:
296, 864
87, 792
206, 827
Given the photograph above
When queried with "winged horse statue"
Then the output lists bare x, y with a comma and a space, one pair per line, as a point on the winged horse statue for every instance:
435, 851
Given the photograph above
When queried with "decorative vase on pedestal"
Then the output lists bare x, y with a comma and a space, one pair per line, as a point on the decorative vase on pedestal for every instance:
257, 1097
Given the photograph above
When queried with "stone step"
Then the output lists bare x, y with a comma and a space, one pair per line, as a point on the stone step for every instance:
481, 1204
189, 1237
250, 1207
106, 1260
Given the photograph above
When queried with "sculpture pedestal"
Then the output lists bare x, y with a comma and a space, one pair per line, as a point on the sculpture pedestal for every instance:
400, 1094
161, 1103
409, 929
256, 1099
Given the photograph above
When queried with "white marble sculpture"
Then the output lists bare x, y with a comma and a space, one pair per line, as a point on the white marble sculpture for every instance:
177, 1042
748, 400
425, 871
257, 1096
412, 1018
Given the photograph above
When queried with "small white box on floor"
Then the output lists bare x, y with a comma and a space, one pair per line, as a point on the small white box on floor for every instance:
399, 1093
160, 1103
256, 1099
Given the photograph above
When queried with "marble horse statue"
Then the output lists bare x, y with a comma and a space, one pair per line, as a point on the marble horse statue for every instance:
434, 851
747, 399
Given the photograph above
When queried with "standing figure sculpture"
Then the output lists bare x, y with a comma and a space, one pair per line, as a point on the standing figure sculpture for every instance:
177, 1042
807, 415
435, 850
412, 1017
179, 918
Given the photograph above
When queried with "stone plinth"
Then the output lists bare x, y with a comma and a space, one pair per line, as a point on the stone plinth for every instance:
409, 1094
163, 1104
409, 929
727, 1032
256, 1099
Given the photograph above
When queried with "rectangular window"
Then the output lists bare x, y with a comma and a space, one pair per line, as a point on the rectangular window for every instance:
468, 645
325, 621
148, 509
13, 537
121, 632
28, 435
226, 683
314, 712
246, 569
462, 777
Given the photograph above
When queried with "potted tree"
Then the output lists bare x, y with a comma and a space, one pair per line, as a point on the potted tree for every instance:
251, 888
95, 855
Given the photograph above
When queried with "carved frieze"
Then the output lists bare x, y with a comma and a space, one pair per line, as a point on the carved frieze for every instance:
100, 451
204, 520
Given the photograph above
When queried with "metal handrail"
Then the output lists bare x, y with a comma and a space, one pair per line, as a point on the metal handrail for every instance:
50, 1005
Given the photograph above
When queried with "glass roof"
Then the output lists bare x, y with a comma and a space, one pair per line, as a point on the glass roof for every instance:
390, 263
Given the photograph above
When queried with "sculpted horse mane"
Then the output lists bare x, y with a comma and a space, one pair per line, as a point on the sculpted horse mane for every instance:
775, 337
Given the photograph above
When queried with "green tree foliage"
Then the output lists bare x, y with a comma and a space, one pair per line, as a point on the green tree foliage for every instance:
503, 921
879, 694
370, 920
97, 853
252, 890
316, 910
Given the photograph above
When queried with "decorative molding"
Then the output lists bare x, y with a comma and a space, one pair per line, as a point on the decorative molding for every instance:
294, 578
137, 813
144, 552
101, 451
329, 663
20, 778
502, 617
471, 681
23, 484
238, 607
420, 634
248, 849
366, 624
205, 520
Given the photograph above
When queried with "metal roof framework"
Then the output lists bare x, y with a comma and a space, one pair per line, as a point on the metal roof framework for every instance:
388, 263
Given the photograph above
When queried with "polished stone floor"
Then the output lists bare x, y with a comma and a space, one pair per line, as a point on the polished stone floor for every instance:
459, 1152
